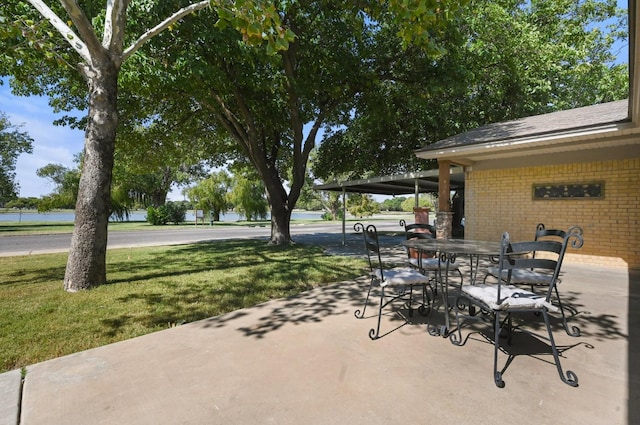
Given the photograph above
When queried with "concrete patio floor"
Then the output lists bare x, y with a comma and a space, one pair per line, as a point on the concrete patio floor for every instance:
308, 360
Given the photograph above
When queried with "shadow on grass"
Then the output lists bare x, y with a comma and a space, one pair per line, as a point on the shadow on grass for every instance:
36, 275
204, 280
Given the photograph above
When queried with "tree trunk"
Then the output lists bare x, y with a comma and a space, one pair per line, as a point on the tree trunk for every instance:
280, 223
159, 197
86, 266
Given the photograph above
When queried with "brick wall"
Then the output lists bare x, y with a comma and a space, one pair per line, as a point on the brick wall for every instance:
502, 200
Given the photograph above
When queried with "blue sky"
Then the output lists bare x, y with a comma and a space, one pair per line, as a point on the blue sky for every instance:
55, 144
51, 144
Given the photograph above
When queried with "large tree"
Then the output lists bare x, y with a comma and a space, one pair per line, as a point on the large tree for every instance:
274, 105
65, 181
507, 59
150, 160
49, 55
13, 142
211, 194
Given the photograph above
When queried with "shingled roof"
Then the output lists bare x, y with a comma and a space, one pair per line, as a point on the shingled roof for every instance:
540, 125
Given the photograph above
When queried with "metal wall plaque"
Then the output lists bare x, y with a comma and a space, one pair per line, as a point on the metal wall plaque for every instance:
569, 191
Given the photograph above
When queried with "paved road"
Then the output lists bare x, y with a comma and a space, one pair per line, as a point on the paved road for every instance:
39, 244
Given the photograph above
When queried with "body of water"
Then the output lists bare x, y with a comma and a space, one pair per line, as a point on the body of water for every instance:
69, 216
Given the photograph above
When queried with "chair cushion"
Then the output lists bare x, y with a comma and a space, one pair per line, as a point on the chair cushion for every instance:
511, 297
401, 276
431, 264
523, 276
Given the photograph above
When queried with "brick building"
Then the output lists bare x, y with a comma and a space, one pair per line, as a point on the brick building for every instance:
576, 167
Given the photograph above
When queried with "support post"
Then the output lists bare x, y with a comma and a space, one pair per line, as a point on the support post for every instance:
443, 225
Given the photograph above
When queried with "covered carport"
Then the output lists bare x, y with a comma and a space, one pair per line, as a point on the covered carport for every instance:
399, 184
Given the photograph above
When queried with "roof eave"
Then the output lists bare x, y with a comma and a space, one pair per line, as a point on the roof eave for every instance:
612, 134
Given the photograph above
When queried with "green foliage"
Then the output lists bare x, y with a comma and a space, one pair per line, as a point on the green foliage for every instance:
30, 203
330, 216
248, 196
66, 182
13, 142
151, 158
157, 216
272, 106
332, 204
171, 212
258, 21
309, 199
505, 60
424, 200
60, 60
121, 202
361, 205
419, 22
176, 212
393, 204
211, 194
127, 190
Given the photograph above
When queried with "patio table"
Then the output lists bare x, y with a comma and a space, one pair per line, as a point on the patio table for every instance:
447, 250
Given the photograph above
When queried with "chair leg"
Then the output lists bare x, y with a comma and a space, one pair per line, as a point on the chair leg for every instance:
497, 375
426, 299
375, 333
358, 314
574, 331
571, 378
410, 300
456, 337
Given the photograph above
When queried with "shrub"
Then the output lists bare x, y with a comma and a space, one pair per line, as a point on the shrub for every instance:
329, 216
171, 212
176, 212
157, 216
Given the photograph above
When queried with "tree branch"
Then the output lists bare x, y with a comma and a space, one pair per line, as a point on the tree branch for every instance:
162, 26
113, 24
67, 33
85, 29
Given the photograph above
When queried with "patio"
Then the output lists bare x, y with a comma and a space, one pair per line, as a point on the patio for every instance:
307, 359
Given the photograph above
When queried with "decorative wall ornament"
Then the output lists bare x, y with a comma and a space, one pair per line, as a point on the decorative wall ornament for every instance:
568, 191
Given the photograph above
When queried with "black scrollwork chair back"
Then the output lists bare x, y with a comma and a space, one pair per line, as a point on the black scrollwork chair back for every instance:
419, 231
425, 261
393, 283
540, 280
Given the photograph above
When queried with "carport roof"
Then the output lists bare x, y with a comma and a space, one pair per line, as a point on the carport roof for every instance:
399, 184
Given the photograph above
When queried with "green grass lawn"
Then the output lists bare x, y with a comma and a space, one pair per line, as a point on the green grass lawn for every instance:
149, 289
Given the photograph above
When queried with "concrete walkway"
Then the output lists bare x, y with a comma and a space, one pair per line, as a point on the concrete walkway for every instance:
308, 360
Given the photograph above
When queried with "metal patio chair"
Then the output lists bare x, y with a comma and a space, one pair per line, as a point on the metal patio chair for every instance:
537, 280
394, 283
425, 262
503, 299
